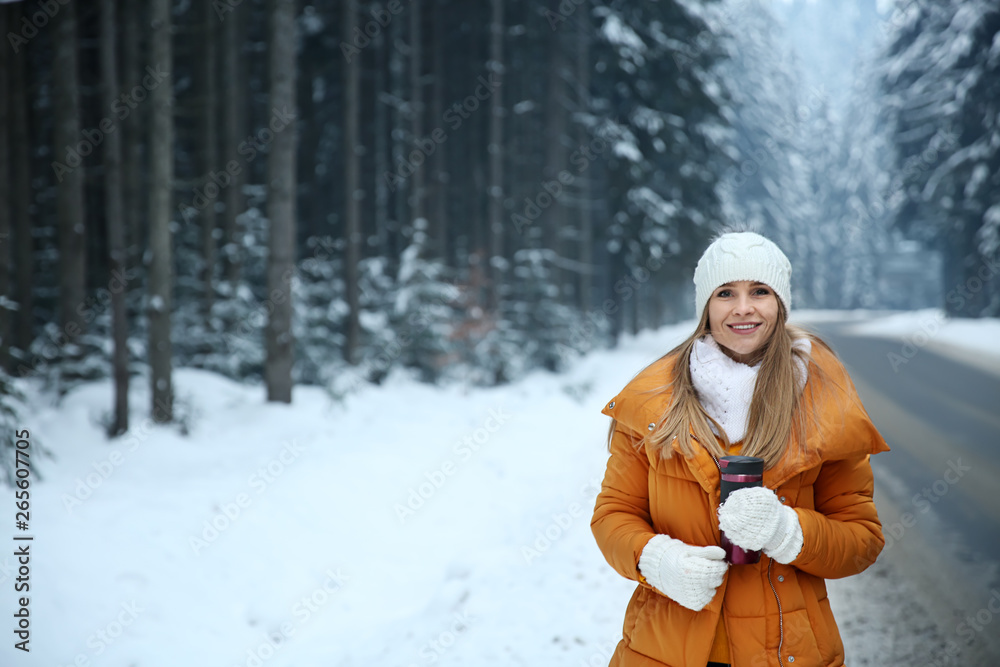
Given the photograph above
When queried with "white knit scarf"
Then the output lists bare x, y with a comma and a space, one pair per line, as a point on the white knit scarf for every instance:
725, 387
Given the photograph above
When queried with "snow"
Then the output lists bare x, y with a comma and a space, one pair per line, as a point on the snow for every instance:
617, 32
408, 525
627, 150
930, 327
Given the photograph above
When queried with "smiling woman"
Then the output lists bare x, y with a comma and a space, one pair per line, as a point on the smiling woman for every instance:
744, 382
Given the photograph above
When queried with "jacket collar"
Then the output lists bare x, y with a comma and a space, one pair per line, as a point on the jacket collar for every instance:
845, 429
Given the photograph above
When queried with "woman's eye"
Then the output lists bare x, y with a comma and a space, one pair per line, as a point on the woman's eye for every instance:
723, 293
762, 290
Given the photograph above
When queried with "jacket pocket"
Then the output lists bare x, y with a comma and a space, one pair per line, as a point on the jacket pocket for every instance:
800, 640
663, 630
828, 638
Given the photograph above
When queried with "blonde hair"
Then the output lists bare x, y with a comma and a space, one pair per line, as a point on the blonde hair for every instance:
776, 411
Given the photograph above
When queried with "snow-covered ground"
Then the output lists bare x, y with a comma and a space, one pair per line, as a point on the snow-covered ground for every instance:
409, 525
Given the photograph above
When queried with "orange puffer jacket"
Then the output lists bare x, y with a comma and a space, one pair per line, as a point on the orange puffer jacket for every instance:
774, 614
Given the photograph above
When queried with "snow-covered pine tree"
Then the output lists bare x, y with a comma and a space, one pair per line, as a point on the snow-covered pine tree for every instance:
773, 114
941, 76
230, 341
12, 421
320, 311
422, 310
657, 105
542, 319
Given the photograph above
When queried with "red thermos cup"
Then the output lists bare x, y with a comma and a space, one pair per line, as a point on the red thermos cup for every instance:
739, 472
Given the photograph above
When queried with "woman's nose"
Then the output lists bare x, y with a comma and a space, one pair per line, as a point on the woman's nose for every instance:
744, 304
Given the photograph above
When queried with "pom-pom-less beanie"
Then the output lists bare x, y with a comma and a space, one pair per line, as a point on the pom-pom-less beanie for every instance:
742, 256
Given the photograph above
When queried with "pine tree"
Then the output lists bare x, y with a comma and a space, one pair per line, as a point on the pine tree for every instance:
942, 99
658, 131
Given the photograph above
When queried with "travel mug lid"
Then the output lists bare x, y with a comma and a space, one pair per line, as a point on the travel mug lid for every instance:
741, 465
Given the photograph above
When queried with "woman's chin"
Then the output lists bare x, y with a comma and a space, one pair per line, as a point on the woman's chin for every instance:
740, 348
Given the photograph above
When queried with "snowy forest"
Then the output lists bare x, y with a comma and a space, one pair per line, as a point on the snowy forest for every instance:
321, 193
309, 310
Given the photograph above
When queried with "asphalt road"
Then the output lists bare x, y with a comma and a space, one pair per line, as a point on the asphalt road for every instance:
938, 490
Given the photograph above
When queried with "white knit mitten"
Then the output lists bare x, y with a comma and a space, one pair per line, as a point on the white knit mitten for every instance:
755, 519
686, 574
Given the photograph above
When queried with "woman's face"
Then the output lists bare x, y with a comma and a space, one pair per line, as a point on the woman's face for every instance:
742, 316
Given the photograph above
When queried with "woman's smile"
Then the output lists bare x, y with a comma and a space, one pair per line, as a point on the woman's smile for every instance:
745, 328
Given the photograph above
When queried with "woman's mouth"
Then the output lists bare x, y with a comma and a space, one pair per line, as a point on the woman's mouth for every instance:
745, 328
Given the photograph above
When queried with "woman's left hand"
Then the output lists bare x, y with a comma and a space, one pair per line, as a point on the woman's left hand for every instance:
754, 519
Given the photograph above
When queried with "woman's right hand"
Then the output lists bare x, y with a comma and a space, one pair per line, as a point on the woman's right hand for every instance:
686, 574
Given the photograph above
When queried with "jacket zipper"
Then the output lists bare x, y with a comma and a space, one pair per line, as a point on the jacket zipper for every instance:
781, 624
781, 620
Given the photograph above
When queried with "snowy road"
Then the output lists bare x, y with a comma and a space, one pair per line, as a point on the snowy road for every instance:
938, 492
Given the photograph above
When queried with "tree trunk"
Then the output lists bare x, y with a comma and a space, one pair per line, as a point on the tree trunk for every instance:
233, 101
69, 173
585, 235
397, 83
21, 195
5, 314
555, 153
281, 203
495, 150
161, 146
132, 128
417, 194
352, 214
113, 214
382, 158
475, 180
209, 143
439, 178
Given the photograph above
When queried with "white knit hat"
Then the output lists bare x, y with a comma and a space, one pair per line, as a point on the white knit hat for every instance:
742, 256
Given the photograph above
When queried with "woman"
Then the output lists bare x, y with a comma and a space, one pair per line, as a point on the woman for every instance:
745, 382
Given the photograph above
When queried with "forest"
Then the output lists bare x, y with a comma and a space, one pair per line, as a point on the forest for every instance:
327, 192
